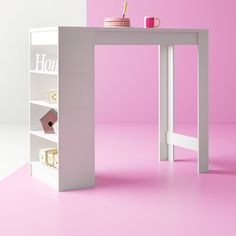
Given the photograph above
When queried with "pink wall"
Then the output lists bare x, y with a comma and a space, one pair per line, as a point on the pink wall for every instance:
126, 84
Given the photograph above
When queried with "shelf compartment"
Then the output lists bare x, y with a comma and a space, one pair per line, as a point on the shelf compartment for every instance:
44, 37
47, 169
44, 173
36, 113
45, 104
43, 59
40, 84
49, 137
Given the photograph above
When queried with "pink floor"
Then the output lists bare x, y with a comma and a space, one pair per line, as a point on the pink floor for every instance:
135, 194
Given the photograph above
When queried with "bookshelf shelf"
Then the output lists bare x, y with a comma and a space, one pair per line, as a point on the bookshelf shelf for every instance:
44, 103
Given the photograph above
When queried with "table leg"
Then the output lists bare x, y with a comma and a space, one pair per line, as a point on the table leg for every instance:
171, 99
77, 126
203, 102
163, 102
166, 100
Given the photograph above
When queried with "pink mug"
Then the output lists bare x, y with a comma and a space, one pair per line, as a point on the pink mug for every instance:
151, 22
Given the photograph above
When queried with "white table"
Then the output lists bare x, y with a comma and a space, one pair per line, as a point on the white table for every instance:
76, 49
87, 38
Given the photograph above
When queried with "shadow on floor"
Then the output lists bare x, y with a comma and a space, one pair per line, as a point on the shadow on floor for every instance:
185, 160
223, 166
222, 172
217, 166
112, 180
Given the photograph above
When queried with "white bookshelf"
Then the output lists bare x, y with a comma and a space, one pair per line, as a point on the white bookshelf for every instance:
40, 82
71, 138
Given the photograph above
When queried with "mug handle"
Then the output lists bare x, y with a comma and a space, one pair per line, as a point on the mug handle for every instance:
156, 22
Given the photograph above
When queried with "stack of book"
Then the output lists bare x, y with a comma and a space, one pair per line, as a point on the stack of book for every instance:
49, 157
116, 22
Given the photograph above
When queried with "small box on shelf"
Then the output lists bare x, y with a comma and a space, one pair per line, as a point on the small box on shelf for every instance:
52, 96
43, 156
46, 156
56, 161
51, 159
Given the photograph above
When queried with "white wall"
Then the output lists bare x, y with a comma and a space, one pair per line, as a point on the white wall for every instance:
15, 19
